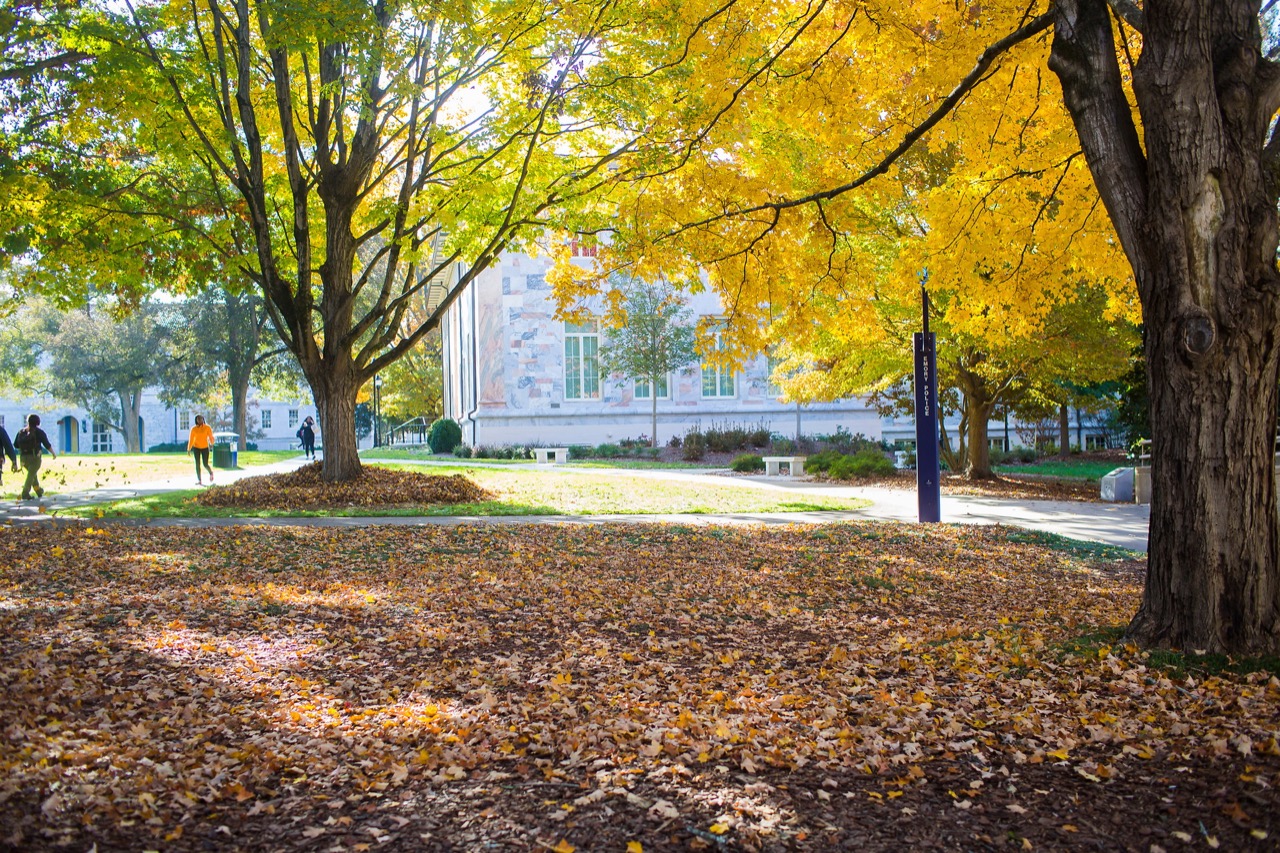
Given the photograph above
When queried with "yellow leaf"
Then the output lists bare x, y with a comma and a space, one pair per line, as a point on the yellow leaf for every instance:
637, 847
719, 828
564, 847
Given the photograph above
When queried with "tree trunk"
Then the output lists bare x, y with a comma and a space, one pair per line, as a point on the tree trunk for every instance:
335, 394
653, 441
129, 420
239, 403
1064, 432
979, 458
1195, 209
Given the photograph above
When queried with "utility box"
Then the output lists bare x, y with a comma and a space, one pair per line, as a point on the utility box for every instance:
1118, 486
226, 449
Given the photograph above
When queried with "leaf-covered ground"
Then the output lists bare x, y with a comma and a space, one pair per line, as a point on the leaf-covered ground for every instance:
647, 688
303, 488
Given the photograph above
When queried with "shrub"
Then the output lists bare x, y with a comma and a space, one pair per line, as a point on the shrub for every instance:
760, 436
607, 451
820, 462
674, 442
581, 451
462, 451
783, 446
867, 462
748, 462
726, 438
444, 435
166, 447
695, 446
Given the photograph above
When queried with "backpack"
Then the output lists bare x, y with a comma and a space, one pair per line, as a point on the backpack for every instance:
24, 441
299, 433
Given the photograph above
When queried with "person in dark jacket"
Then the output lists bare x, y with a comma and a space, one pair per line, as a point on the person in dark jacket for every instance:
6, 449
307, 435
30, 441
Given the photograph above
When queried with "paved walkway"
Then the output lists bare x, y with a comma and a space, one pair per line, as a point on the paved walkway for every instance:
1122, 525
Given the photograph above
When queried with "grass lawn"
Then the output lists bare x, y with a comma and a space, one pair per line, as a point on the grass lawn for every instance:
520, 493
77, 472
1071, 469
877, 687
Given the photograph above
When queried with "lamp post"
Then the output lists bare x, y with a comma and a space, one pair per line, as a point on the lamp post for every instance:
377, 410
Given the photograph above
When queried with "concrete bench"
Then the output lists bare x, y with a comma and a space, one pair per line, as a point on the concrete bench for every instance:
557, 454
795, 465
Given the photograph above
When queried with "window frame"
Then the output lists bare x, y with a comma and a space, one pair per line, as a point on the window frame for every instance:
582, 369
717, 373
664, 382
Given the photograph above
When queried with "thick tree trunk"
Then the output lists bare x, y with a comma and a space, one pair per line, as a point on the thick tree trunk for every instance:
1195, 209
1064, 432
979, 461
335, 395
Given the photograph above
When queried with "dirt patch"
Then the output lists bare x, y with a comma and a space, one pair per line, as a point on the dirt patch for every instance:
304, 488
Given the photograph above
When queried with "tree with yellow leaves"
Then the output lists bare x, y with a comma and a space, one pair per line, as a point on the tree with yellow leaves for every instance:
1010, 128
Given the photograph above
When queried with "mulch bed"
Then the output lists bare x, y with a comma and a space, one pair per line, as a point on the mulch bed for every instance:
304, 488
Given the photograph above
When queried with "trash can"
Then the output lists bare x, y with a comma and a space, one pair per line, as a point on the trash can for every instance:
226, 449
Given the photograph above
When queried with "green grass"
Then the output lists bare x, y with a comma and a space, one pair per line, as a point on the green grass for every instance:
1079, 548
519, 493
1070, 469
1176, 664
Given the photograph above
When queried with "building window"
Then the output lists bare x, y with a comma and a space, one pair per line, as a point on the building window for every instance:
645, 392
581, 367
184, 421
266, 419
1092, 441
771, 387
996, 443
718, 380
101, 438
293, 419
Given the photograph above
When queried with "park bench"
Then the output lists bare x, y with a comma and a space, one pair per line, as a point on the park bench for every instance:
795, 465
557, 454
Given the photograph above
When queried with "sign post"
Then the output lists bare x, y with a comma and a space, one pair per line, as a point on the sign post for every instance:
928, 474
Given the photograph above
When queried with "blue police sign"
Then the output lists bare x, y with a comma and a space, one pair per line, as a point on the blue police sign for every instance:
928, 474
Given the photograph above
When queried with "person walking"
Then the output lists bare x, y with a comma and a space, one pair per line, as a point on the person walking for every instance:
30, 442
199, 443
7, 449
307, 434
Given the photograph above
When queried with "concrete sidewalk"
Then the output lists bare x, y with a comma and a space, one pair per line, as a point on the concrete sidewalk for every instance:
1121, 525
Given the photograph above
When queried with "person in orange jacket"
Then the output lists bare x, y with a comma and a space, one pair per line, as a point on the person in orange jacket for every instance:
199, 443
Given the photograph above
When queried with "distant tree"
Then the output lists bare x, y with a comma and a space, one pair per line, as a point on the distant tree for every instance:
414, 386
221, 341
103, 363
649, 334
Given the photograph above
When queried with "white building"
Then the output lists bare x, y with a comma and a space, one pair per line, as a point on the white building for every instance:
514, 374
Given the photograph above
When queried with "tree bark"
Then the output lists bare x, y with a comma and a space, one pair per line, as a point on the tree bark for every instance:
1064, 432
1196, 213
335, 391
978, 465
653, 385
239, 404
